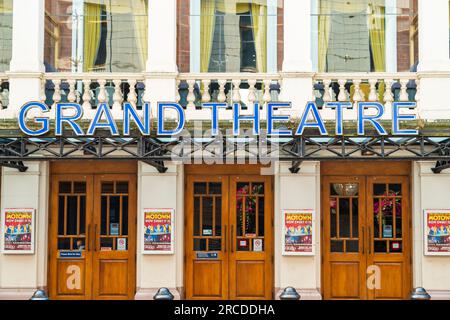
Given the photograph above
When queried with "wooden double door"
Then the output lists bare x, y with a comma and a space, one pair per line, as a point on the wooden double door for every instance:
366, 236
92, 236
228, 245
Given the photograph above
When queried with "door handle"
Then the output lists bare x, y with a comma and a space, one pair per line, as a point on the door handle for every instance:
363, 241
88, 239
95, 238
232, 236
225, 244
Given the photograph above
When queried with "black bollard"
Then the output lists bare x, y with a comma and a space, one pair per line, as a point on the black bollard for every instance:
163, 294
289, 294
420, 294
39, 295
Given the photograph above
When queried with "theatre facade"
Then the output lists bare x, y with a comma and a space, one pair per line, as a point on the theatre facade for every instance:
254, 145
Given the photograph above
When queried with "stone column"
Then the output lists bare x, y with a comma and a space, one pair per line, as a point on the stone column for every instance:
297, 63
434, 58
27, 63
161, 70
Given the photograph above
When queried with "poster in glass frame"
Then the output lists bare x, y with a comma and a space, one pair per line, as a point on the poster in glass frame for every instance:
298, 232
158, 233
18, 234
436, 232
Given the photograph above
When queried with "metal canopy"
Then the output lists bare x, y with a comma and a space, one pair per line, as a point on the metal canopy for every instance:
156, 151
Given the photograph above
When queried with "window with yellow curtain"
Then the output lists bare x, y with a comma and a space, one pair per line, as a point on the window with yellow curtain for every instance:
5, 34
96, 35
358, 35
233, 36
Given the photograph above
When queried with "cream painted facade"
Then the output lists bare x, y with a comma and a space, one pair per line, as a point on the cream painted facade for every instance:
21, 275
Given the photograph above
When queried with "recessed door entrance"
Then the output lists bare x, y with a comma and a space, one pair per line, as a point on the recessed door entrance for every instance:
92, 236
366, 237
228, 237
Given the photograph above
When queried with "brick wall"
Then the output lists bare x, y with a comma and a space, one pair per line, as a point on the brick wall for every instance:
183, 36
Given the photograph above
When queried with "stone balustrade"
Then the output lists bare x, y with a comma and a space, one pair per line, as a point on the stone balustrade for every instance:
230, 88
91, 89
384, 88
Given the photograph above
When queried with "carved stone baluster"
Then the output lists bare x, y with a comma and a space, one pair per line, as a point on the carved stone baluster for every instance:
191, 94
373, 96
403, 91
57, 92
42, 94
388, 96
177, 91
132, 96
236, 91
72, 97
118, 98
222, 97
206, 97
252, 91
357, 96
326, 87
87, 95
342, 91
102, 94
267, 97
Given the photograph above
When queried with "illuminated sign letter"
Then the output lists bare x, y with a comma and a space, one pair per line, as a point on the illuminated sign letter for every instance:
318, 122
103, 108
181, 118
237, 118
60, 118
271, 118
396, 118
44, 121
144, 127
215, 115
372, 119
339, 106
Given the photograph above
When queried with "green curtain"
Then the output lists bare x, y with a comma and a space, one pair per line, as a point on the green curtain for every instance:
378, 35
140, 13
207, 24
92, 28
259, 18
6, 6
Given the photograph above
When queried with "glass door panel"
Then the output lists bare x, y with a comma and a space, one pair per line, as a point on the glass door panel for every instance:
207, 216
114, 216
250, 215
72, 215
344, 217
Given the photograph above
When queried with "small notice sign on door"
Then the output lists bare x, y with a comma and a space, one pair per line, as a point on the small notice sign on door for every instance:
258, 245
